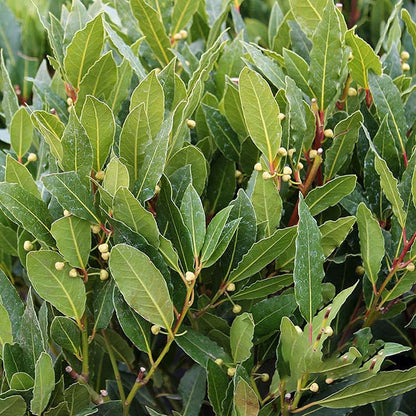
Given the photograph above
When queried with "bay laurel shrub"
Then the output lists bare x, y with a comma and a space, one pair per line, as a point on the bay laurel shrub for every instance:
207, 209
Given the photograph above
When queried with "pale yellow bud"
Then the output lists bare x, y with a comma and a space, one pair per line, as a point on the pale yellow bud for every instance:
32, 157
405, 66
73, 273
290, 152
105, 256
95, 228
100, 175
219, 361
157, 189
183, 33
103, 248
177, 36
236, 309
69, 101
328, 133
410, 267
27, 245
258, 167
405, 55
286, 178
155, 329
287, 170
231, 371
329, 331
266, 175
238, 174
59, 265
191, 123
66, 213
189, 277
230, 287
265, 377
312, 154
282, 152
281, 116
314, 387
300, 166
103, 274
352, 92
329, 380
360, 270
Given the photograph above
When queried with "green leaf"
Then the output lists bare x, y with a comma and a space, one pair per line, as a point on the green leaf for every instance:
84, 50
78, 398
182, 13
103, 305
267, 204
217, 386
308, 13
44, 384
121, 349
262, 253
73, 239
245, 400
29, 211
380, 387
21, 381
343, 143
334, 233
261, 113
326, 56
233, 110
371, 241
12, 406
142, 285
121, 89
66, 334
8, 240
21, 132
410, 24
116, 175
18, 173
127, 208
150, 93
72, 194
152, 27
328, 195
9, 102
98, 121
241, 335
192, 390
194, 218
309, 271
5, 328
364, 59
200, 348
66, 293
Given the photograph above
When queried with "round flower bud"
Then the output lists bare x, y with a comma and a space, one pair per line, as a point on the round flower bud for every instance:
66, 213
352, 92
155, 329
27, 245
286, 178
300, 166
281, 116
360, 270
350, 56
329, 331
265, 377
287, 170
100, 175
69, 101
410, 267
290, 152
312, 154
282, 152
183, 33
157, 190
191, 123
266, 175
314, 387
238, 174
73, 273
405, 66
105, 256
189, 277
219, 361
103, 274
328, 133
329, 380
405, 55
230, 287
231, 371
298, 329
103, 248
32, 157
157, 71
236, 309
177, 36
258, 167
95, 228
59, 265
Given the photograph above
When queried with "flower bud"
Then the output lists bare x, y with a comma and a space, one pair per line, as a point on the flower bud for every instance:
27, 245
258, 167
32, 157
360, 270
287, 170
328, 133
410, 267
157, 190
177, 36
281, 116
352, 92
69, 102
59, 265
66, 213
191, 123
236, 309
329, 331
405, 55
103, 248
405, 66
282, 152
105, 256
230, 287
189, 277
312, 154
286, 178
238, 174
290, 152
300, 166
103, 274
314, 387
265, 377
219, 361
95, 228
231, 371
183, 33
155, 329
100, 175
329, 380
73, 273
266, 175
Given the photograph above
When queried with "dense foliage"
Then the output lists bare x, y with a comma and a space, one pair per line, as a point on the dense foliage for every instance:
207, 207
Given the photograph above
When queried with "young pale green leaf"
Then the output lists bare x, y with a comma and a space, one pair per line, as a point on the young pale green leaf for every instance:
233, 110
150, 93
326, 56
65, 332
345, 137
334, 233
127, 208
98, 121
21, 381
410, 24
308, 13
116, 175
28, 210
152, 27
217, 386
66, 293
18, 173
245, 399
121, 89
262, 253
267, 204
12, 406
5, 328
182, 13
194, 218
328, 195
241, 336
9, 102
44, 384
371, 241
84, 50
73, 239
192, 390
261, 113
142, 285
72, 194
380, 387
309, 271
21, 132
364, 59
169, 253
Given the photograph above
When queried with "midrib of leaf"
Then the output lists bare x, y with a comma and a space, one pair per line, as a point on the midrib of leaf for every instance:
226, 135
74, 239
237, 346
156, 305
81, 66
201, 349
339, 184
143, 332
178, 23
68, 337
324, 67
8, 47
97, 137
314, 10
193, 230
20, 154
118, 86
361, 61
185, 410
309, 273
367, 245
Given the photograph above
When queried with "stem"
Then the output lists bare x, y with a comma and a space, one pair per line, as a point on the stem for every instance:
115, 367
